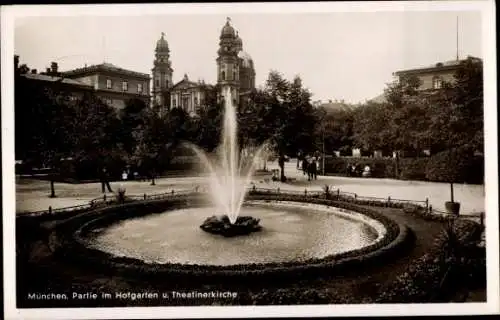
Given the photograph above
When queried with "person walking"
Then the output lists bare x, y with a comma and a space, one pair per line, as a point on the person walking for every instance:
304, 166
313, 169
105, 181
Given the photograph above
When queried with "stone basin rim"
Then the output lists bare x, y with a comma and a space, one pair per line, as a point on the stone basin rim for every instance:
391, 240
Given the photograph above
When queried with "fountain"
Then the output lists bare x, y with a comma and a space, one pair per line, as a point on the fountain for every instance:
229, 176
294, 232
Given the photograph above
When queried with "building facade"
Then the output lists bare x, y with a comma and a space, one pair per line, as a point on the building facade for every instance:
112, 84
188, 95
235, 73
433, 77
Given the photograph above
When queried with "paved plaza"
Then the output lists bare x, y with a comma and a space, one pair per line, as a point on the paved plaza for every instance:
32, 195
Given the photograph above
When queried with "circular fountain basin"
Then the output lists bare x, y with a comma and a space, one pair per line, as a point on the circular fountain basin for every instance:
291, 232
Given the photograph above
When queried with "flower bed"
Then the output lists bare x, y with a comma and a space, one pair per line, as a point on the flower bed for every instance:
72, 235
429, 278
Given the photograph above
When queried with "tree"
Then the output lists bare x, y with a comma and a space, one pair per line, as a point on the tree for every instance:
469, 101
133, 120
290, 116
41, 118
153, 143
96, 135
159, 138
456, 121
370, 127
338, 129
207, 127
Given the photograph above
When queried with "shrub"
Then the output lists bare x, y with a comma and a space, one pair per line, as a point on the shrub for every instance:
457, 165
423, 279
413, 168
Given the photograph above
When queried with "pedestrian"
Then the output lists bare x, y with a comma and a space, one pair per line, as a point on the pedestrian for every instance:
124, 175
304, 166
105, 181
313, 169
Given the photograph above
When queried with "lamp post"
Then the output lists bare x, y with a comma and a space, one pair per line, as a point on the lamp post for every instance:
323, 117
323, 143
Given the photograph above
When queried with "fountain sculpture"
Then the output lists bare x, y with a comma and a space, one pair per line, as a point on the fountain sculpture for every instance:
230, 174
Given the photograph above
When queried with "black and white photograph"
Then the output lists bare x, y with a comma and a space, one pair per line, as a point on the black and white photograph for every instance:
249, 159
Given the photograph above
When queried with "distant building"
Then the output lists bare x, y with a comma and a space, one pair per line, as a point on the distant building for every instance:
334, 105
235, 71
188, 95
112, 84
431, 77
62, 88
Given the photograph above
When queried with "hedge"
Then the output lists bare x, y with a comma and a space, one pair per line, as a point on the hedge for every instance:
466, 167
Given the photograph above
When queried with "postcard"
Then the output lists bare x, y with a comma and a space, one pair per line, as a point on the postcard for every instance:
249, 160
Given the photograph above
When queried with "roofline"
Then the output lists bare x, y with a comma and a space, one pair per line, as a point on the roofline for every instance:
425, 70
434, 68
101, 68
188, 81
60, 81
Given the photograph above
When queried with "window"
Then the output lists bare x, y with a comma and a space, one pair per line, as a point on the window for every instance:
125, 86
195, 101
166, 83
139, 87
108, 84
234, 74
157, 82
223, 75
437, 83
174, 103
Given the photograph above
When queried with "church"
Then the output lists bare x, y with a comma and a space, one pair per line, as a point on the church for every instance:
235, 73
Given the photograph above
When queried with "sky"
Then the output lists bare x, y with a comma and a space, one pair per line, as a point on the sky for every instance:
338, 55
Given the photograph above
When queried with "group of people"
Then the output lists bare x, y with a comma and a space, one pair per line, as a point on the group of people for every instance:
310, 166
356, 170
126, 175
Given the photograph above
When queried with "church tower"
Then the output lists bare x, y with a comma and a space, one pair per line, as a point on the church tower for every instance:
162, 74
228, 62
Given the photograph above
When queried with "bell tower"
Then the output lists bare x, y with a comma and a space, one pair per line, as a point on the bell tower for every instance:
162, 74
227, 62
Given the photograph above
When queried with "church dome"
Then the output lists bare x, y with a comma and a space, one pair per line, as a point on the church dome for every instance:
246, 59
162, 44
227, 30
